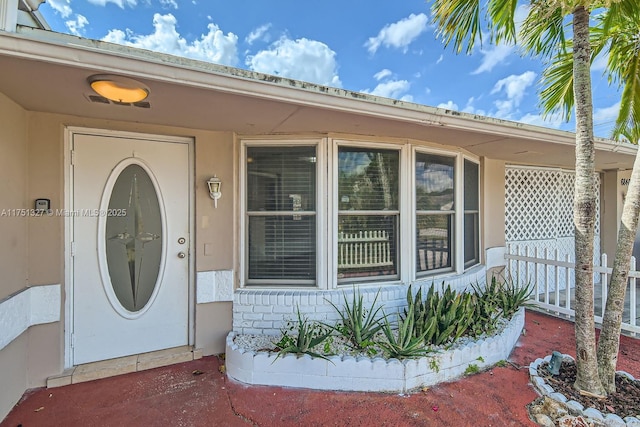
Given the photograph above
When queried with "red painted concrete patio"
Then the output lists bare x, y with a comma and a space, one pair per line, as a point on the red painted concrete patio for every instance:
177, 396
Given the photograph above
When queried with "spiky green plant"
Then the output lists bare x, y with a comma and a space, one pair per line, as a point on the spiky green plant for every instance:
512, 297
440, 317
357, 323
308, 336
403, 343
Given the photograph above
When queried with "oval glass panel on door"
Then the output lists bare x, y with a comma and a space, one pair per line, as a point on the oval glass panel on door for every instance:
133, 239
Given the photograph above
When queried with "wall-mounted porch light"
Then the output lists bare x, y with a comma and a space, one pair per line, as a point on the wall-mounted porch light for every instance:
117, 88
215, 186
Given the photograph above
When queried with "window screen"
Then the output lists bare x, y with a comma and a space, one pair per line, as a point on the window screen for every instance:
281, 211
368, 213
471, 213
435, 212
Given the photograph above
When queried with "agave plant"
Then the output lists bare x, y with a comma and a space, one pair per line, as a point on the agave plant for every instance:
512, 297
308, 337
404, 343
441, 317
357, 323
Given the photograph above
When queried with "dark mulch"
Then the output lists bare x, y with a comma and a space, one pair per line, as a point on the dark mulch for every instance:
624, 402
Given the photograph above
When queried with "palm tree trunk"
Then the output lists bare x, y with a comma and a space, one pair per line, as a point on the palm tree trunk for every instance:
584, 208
609, 342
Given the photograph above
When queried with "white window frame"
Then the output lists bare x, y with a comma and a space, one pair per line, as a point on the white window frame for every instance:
321, 226
479, 260
414, 223
458, 267
404, 226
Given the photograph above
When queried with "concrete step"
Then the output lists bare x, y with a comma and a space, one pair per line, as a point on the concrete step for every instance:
124, 365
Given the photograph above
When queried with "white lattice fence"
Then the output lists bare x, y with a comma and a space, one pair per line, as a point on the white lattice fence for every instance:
539, 218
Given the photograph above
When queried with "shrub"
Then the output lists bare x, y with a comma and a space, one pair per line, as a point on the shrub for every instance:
358, 324
440, 318
308, 336
404, 343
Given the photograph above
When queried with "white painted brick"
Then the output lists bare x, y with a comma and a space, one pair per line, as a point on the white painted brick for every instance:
263, 309
285, 309
272, 316
263, 325
253, 316
238, 308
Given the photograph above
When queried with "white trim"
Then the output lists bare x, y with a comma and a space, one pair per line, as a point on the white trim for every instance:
495, 257
476, 161
69, 133
244, 143
102, 226
31, 306
405, 229
8, 15
401, 148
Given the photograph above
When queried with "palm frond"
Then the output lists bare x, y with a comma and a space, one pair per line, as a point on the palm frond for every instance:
502, 15
458, 22
543, 31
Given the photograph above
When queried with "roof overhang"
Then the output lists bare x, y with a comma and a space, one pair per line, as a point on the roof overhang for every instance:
47, 72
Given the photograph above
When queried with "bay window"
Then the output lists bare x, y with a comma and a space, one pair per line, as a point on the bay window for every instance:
281, 215
385, 220
368, 213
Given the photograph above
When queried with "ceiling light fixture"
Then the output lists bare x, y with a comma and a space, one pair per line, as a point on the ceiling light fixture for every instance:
117, 88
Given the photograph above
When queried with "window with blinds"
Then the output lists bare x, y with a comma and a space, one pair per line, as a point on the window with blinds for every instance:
281, 215
471, 213
435, 212
368, 213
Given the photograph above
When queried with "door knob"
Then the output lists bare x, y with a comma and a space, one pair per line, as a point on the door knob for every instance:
181, 255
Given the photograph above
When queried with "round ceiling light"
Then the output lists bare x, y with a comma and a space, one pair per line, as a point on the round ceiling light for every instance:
117, 88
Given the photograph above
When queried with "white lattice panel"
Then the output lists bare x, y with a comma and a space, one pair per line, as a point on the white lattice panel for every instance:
539, 221
539, 204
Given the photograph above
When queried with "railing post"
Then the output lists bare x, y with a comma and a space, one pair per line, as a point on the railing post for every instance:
604, 283
632, 295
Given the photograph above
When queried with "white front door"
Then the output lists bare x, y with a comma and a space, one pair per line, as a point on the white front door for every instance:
130, 246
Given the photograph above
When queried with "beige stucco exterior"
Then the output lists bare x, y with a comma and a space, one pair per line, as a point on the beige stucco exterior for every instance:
33, 162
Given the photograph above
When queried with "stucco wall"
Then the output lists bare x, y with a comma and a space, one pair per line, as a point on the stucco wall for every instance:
13, 195
13, 251
493, 192
214, 228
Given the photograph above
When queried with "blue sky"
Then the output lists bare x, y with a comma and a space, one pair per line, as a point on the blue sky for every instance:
380, 47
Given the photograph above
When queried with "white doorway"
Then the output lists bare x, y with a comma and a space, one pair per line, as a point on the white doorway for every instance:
129, 221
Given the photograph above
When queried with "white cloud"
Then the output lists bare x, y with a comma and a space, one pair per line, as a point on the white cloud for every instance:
301, 59
606, 115
493, 56
395, 89
449, 105
259, 33
400, 34
120, 3
169, 4
514, 88
214, 46
471, 108
76, 26
63, 7
440, 59
552, 121
382, 74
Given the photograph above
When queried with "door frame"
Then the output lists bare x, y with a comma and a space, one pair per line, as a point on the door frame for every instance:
69, 132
